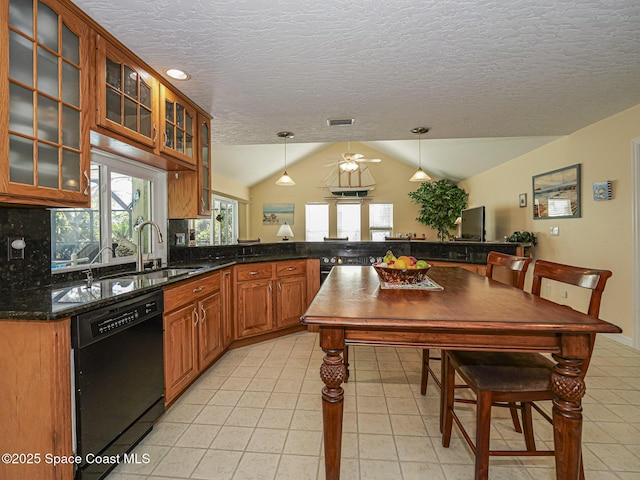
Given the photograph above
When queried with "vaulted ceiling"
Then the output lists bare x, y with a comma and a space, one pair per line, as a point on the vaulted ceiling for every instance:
492, 79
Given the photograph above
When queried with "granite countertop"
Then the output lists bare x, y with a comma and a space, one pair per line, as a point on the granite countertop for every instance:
59, 301
54, 302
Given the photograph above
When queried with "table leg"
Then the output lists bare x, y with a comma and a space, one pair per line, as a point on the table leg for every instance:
333, 373
569, 388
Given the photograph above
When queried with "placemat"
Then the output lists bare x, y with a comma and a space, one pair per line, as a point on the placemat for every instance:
426, 284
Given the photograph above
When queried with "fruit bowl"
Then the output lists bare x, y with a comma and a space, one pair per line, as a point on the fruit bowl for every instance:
401, 276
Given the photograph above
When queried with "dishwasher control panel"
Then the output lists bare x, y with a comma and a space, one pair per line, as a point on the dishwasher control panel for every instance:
89, 327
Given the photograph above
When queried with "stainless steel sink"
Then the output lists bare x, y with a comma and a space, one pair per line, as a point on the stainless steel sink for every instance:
160, 274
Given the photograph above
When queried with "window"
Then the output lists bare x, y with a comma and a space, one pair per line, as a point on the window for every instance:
316, 221
221, 228
122, 195
349, 220
380, 221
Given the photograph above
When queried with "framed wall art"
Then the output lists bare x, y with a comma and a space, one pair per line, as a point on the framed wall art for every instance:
522, 200
556, 194
277, 213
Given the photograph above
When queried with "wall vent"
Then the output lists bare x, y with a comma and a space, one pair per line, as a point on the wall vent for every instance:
340, 122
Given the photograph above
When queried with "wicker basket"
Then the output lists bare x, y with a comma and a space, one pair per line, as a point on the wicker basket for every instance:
401, 276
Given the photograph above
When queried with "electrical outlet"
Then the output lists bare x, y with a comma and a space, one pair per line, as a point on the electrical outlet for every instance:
15, 248
564, 294
555, 231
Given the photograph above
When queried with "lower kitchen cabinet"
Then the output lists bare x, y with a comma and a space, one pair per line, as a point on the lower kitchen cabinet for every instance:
193, 331
269, 296
226, 289
35, 362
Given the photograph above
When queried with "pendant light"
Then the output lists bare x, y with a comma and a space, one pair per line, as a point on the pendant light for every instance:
420, 175
285, 180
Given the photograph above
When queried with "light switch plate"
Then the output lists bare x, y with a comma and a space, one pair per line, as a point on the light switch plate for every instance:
555, 231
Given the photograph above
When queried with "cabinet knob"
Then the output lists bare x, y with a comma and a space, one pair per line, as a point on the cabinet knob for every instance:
291, 269
255, 273
199, 289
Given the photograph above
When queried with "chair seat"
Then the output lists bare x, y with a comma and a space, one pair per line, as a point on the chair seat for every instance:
504, 371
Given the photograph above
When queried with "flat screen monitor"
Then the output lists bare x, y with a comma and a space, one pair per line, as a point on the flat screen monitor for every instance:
472, 226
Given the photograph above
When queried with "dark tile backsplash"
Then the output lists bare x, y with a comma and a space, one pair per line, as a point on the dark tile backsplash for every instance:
34, 224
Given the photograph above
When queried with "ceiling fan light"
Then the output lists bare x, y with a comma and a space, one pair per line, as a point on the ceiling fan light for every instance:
420, 176
285, 180
349, 166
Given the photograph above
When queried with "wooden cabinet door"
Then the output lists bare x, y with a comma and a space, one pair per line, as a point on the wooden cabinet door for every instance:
291, 300
210, 329
44, 92
227, 315
254, 307
178, 127
127, 96
180, 356
204, 165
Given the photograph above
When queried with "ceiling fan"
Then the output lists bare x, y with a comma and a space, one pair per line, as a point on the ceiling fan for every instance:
350, 160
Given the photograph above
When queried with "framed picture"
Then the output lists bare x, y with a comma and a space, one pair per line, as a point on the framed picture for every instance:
556, 194
602, 190
277, 213
522, 200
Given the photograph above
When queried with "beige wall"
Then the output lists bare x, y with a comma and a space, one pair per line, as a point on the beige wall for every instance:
602, 237
392, 185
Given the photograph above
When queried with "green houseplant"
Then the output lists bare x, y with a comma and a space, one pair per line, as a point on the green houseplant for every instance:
440, 205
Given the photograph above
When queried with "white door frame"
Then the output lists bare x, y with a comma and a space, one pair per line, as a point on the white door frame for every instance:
635, 230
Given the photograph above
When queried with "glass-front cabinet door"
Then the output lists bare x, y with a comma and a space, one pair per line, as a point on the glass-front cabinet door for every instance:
204, 174
45, 160
127, 96
178, 119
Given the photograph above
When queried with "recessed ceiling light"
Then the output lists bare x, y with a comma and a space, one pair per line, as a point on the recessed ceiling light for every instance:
177, 74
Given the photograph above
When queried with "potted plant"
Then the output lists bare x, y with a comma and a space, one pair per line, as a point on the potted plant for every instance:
440, 205
523, 237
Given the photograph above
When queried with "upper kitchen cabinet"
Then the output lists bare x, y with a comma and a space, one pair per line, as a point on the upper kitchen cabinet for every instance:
178, 126
44, 53
189, 192
127, 95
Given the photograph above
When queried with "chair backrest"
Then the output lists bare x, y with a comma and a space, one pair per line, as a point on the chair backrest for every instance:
249, 240
517, 265
594, 280
590, 278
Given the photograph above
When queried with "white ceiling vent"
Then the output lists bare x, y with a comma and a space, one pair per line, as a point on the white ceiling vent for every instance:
340, 122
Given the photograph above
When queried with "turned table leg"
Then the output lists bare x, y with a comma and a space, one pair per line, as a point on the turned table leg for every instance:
332, 372
569, 387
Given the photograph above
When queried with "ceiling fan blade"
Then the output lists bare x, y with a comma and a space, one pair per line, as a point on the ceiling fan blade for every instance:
351, 156
370, 160
334, 163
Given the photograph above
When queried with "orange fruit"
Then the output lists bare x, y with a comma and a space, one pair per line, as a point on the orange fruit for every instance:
407, 261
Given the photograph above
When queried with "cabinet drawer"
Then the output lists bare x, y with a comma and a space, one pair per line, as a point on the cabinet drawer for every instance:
294, 267
253, 271
185, 292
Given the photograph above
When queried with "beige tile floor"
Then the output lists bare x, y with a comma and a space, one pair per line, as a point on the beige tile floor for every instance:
256, 414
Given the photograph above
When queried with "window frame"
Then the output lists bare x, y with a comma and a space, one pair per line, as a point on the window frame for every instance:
109, 163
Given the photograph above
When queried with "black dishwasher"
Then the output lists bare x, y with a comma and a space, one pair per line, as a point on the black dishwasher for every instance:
118, 381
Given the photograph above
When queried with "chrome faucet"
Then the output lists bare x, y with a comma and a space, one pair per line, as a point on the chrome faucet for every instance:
90, 272
140, 227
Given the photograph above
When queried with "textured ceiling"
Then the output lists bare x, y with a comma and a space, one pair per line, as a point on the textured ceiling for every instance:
465, 68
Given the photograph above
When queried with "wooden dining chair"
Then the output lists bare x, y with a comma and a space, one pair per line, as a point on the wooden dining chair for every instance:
510, 269
506, 378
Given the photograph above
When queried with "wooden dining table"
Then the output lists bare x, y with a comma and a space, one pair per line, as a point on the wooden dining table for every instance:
470, 312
